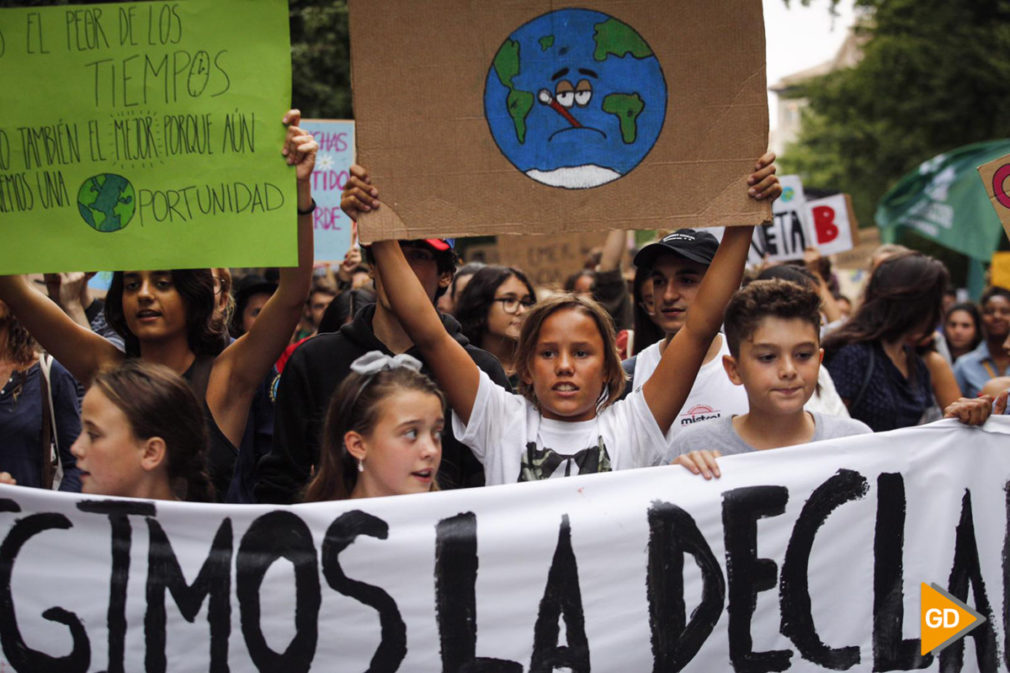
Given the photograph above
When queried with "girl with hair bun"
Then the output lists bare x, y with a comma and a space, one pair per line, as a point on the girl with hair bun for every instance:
143, 436
383, 432
872, 357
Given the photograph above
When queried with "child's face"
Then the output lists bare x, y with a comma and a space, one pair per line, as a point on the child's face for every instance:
567, 366
107, 452
675, 283
778, 365
402, 452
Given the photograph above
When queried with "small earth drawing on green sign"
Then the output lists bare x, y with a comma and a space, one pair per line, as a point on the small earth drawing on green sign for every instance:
107, 202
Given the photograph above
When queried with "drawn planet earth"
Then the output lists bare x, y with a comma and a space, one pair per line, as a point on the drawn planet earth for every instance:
107, 202
575, 98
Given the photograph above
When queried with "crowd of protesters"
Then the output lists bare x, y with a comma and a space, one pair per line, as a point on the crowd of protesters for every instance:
400, 371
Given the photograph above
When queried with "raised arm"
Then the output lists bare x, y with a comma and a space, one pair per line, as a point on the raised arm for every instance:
76, 347
452, 366
241, 367
613, 250
454, 370
667, 389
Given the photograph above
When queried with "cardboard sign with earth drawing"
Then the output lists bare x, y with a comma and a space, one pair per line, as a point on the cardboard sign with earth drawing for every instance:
145, 135
479, 118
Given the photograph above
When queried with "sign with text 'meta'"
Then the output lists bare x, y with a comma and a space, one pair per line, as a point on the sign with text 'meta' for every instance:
145, 135
827, 224
808, 558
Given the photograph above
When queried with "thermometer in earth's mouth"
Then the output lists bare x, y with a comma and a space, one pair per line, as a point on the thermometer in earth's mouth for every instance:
547, 99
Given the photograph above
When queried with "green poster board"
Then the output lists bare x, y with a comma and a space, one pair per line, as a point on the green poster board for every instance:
145, 135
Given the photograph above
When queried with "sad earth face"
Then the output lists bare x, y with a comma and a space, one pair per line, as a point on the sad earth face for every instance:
575, 98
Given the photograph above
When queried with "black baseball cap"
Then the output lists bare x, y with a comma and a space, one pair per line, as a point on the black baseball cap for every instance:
697, 246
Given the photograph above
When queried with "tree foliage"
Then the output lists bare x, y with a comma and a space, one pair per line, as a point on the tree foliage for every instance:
320, 58
935, 75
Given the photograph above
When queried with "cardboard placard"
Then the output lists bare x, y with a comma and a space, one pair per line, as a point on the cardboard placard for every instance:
643, 117
833, 224
548, 260
145, 135
333, 230
994, 176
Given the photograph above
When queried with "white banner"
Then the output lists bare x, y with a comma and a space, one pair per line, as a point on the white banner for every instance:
807, 558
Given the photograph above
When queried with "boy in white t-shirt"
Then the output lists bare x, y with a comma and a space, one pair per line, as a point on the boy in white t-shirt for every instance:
676, 265
773, 335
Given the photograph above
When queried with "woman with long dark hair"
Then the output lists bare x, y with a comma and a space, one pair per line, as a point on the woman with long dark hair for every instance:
490, 311
27, 420
169, 318
872, 357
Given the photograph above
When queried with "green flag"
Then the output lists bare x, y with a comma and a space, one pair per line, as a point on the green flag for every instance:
944, 200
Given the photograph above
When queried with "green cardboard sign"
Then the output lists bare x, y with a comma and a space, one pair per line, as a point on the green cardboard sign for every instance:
145, 135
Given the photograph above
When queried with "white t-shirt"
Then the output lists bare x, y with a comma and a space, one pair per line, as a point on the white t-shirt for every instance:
712, 396
515, 443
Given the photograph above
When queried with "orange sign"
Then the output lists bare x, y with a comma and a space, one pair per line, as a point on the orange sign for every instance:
943, 618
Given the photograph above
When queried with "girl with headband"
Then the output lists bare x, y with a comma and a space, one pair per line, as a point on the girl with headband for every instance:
382, 432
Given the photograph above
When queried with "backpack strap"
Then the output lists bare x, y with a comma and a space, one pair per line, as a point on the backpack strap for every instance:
50, 446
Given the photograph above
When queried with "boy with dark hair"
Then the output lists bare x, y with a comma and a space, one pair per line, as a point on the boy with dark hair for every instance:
773, 335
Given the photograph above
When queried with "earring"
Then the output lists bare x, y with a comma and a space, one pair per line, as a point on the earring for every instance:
361, 465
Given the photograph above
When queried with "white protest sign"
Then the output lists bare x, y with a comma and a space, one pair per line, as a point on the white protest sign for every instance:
834, 225
789, 232
808, 558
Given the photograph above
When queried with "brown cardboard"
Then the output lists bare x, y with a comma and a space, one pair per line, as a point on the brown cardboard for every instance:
548, 259
995, 175
419, 71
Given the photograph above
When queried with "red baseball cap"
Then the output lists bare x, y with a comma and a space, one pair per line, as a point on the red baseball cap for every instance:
438, 244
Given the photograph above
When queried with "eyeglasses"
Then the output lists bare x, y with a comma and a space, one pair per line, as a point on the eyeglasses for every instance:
512, 304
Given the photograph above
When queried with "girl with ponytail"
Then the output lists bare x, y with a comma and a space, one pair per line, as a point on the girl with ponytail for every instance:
143, 436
